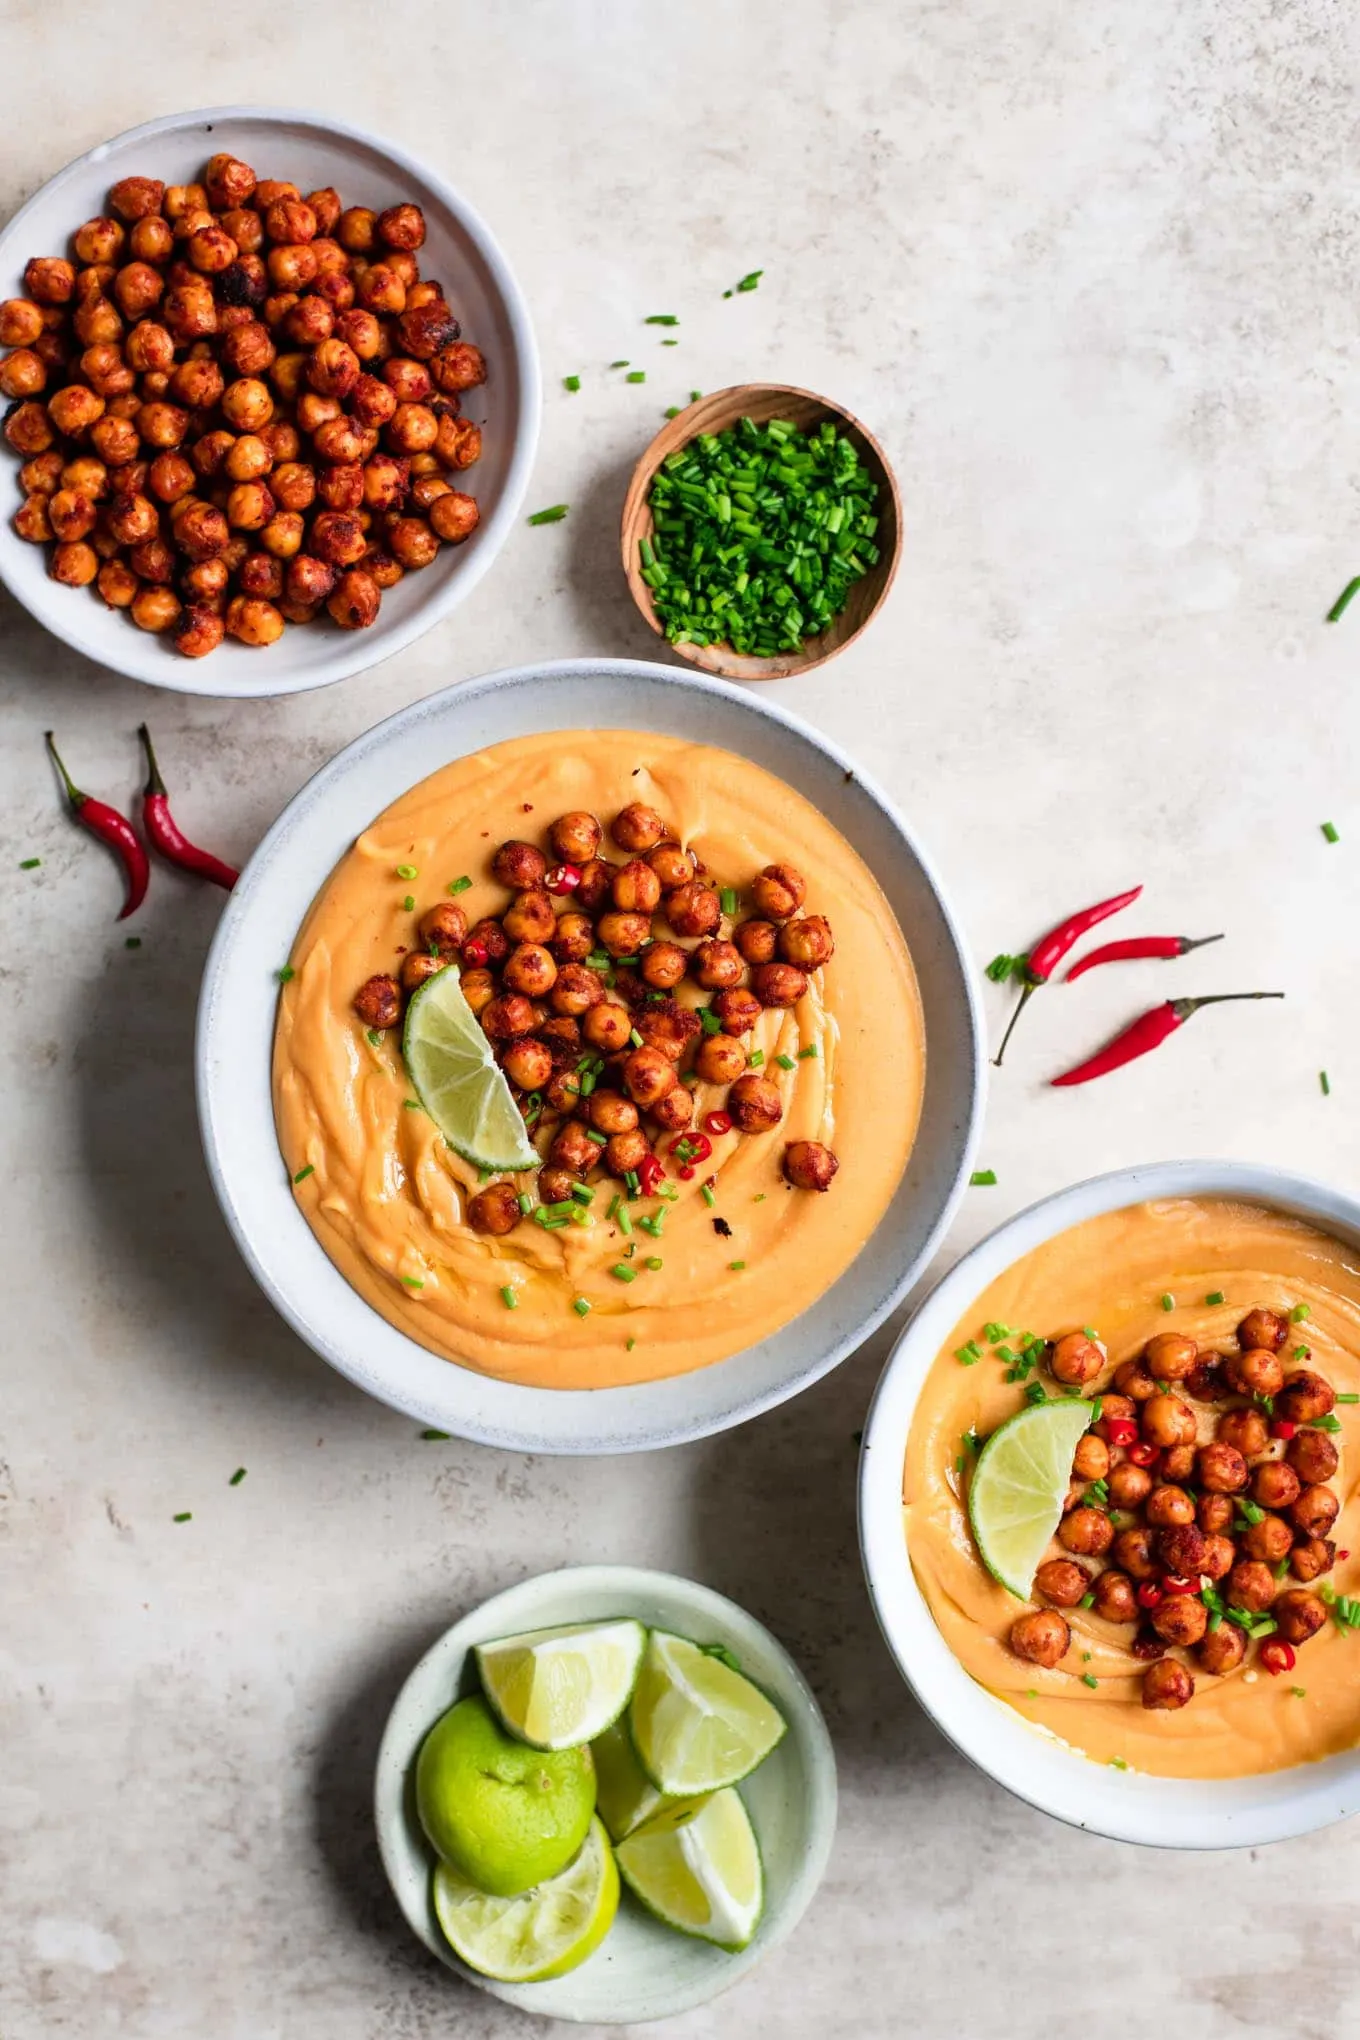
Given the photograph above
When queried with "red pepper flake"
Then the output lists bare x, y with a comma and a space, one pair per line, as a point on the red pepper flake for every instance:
718, 1122
563, 878
1283, 1428
1277, 1656
1149, 1595
1343, 1554
687, 1174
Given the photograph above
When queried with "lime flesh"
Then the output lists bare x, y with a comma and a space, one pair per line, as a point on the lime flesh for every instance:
457, 1079
697, 1867
503, 1815
1019, 1484
558, 1687
696, 1724
625, 1796
541, 1933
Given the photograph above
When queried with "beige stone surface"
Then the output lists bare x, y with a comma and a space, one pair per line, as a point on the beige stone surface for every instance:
1089, 272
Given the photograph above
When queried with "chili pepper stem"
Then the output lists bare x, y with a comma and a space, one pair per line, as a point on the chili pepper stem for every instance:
1189, 942
1185, 1007
154, 782
73, 792
1030, 988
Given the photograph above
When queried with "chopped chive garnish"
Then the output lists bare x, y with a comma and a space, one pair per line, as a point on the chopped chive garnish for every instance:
237, 1477
1003, 967
30, 863
1298, 1314
1300, 1354
653, 1261
757, 1057
409, 902
303, 1174
983, 1179
600, 1139
509, 1298
414, 1105
628, 1345
969, 1355
286, 975
709, 1020
580, 1306
635, 1038
1215, 1296
671, 411
625, 1223
786, 1062
525, 1202
1327, 1423
572, 383
727, 900
1325, 1082
1331, 832
553, 515
414, 1281
1168, 1301
460, 885
736, 1266
804, 1054
1119, 1763
407, 871
132, 942
373, 1037
1299, 1692
618, 364
993, 1332
661, 319
435, 1434
695, 395
751, 279
1087, 1601
1349, 1398
1343, 600
707, 1192
1089, 1679
636, 375
184, 1516
623, 1273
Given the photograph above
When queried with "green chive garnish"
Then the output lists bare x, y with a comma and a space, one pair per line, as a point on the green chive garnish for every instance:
414, 1281
1168, 1301
709, 1195
736, 1266
757, 1058
30, 863
653, 1262
373, 1037
1089, 1679
460, 885
1299, 1313
436, 1434
623, 1273
509, 1298
407, 871
1325, 1081
237, 1477
636, 375
786, 1062
982, 1179
1215, 1296
572, 383
751, 280
132, 942
1349, 1398
1331, 832
409, 902
303, 1174
580, 1306
805, 1053
286, 975
414, 1105
661, 319
635, 1038
1119, 1764
618, 364
727, 900
625, 1223
184, 1516
671, 411
553, 515
1343, 600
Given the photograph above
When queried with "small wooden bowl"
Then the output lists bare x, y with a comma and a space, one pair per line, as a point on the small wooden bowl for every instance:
803, 408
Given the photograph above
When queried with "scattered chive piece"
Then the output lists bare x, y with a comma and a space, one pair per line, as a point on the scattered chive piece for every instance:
993, 1332
414, 1105
1215, 1296
625, 1223
1326, 1083
1331, 832
805, 1053
460, 885
303, 1174
525, 1202
30, 863
636, 375
653, 1261
785, 1062
435, 1434
1089, 1679
1343, 600
409, 902
237, 1477
373, 1037
695, 395
1087, 1601
1119, 1764
1327, 1423
727, 899
1300, 1353
407, 871
580, 1306
670, 343
736, 1266
285, 975
1299, 1313
184, 1516
1299, 1692
661, 319
969, 1355
709, 1195
553, 515
635, 1038
751, 280
983, 1179
1168, 1301
414, 1281
572, 383
709, 1021
600, 1139
509, 1298
1349, 1398
623, 1273
757, 1058
1003, 967
132, 942
629, 1345
671, 411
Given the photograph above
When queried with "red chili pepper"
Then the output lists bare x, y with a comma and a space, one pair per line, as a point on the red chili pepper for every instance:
1142, 1454
1277, 1656
692, 1147
563, 878
1120, 1430
650, 1175
686, 1174
1282, 1428
1147, 1032
1137, 947
474, 951
1173, 1583
110, 827
165, 832
1149, 1595
1050, 950
717, 1122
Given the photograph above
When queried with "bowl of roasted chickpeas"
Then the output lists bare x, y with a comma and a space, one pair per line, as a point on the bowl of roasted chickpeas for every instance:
270, 396
1164, 1365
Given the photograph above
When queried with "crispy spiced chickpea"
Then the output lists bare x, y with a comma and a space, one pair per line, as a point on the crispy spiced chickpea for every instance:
1268, 1328
155, 609
1299, 1614
247, 404
340, 439
808, 1165
693, 909
211, 249
197, 384
1087, 1531
71, 513
637, 828
32, 521
209, 454
508, 1016
1214, 1514
1178, 1464
1132, 1379
754, 1103
249, 506
605, 1026
609, 1112
326, 208
401, 226
293, 485
21, 322
228, 182
670, 1027
673, 865
624, 1153
94, 282
1114, 1596
106, 371
200, 530
458, 443
409, 381
444, 928
1205, 1380
1315, 1511
100, 240
379, 289
149, 348
1040, 1638
623, 934
1257, 1371
593, 891
412, 542
117, 584
308, 581
1313, 1558
137, 288
152, 240
384, 482
494, 1210
1181, 1619
261, 575
459, 367
716, 964
779, 891
674, 1110
1313, 1456
636, 888
1220, 1468
1169, 1506
248, 459
1167, 1685
199, 631
337, 537
132, 519
412, 428
527, 1063
530, 969
573, 938
1268, 1540
720, 1060
136, 198
182, 203
115, 440
253, 621
1251, 1585
1166, 1420
1170, 1356
372, 402
1114, 1409
662, 965
268, 189
162, 425
42, 476
577, 990
1305, 1396
1091, 1460
285, 372
1220, 1556
780, 985
1062, 1582
479, 989
647, 1075
1245, 1429
1076, 1359
1132, 1552
362, 332
530, 917
74, 410
153, 560
22, 374
1129, 1485
283, 534
356, 229
48, 280
519, 865
189, 311
424, 328
736, 1010
290, 219
455, 516
1275, 1485
341, 487
292, 266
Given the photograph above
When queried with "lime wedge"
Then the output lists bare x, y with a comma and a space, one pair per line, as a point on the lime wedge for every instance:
697, 1725
555, 1688
1019, 1485
697, 1867
543, 1932
449, 1060
624, 1795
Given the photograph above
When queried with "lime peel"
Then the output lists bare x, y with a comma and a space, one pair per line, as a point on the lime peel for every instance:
554, 1688
458, 1080
697, 1867
1019, 1484
697, 1725
541, 1933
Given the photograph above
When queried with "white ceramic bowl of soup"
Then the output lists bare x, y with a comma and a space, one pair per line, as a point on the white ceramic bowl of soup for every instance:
460, 252
236, 1029
1131, 1806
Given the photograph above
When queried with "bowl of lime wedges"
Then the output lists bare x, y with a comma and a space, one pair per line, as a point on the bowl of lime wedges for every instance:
604, 1795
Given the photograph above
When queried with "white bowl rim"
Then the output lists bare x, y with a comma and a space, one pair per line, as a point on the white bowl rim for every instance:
1127, 1806
188, 676
519, 1607
599, 1438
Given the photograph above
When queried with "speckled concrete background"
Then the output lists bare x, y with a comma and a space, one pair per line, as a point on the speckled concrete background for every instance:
1090, 273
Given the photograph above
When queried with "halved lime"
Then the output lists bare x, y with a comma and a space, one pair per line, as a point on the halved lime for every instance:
697, 1867
555, 1688
457, 1080
1019, 1485
624, 1795
697, 1725
542, 1933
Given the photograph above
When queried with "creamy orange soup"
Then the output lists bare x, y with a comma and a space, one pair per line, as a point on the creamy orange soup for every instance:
386, 1196
1110, 1274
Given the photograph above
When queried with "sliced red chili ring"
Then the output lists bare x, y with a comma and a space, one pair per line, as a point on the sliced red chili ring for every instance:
474, 951
717, 1122
1277, 1656
1282, 1428
687, 1174
1173, 1583
1142, 1454
1120, 1430
563, 878
692, 1147
1149, 1595
650, 1175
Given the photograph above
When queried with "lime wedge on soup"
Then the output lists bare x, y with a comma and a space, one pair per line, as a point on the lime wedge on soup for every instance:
558, 1687
1019, 1485
457, 1079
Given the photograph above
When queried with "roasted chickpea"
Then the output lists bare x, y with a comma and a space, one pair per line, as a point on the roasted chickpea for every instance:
1299, 1615
672, 865
1129, 1485
409, 382
530, 969
199, 632
283, 534
188, 310
459, 367
637, 889
1181, 1547
779, 891
247, 404
261, 575
1166, 1420
720, 1059
200, 530
778, 984
424, 328
662, 965
1220, 1468
100, 240
357, 229
49, 281
754, 1103
153, 560
693, 909
530, 917
74, 410
155, 609
32, 521
71, 513
1115, 1599
669, 1027
529, 1064
341, 487
637, 828
290, 219
1251, 1586
22, 374
117, 584
519, 865
808, 1165
21, 322
1167, 1685
1310, 1560
625, 1152
412, 428
1257, 1371
337, 537
43, 475
1267, 1540
1313, 1456
1181, 1619
380, 289
494, 1210
1132, 1379
152, 240
716, 964
401, 226
508, 1016
573, 938
419, 965
444, 928
647, 1074
1245, 1430
737, 1009
340, 439
1085, 1530
1304, 1396
1042, 1638
1170, 1356
479, 989
611, 1113
674, 1111
1205, 1380
1214, 1514
1315, 1511
115, 440
458, 443
1275, 1485
1075, 1358
227, 181
249, 506
1132, 1553
293, 485
253, 621
137, 287
132, 519
623, 934
606, 1026
136, 198
1220, 1556
412, 541
1169, 1506
183, 203
292, 266
1061, 1581
577, 990
1263, 1328
307, 581
454, 517
326, 208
